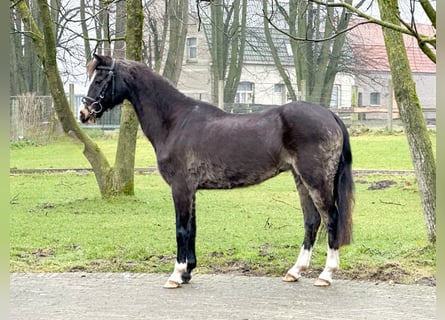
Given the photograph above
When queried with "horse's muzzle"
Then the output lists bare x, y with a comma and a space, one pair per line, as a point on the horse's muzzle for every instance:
86, 116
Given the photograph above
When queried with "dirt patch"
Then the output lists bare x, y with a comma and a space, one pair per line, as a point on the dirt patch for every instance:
391, 273
382, 184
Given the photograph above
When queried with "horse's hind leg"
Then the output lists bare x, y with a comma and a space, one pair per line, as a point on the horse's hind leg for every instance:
324, 202
312, 222
332, 257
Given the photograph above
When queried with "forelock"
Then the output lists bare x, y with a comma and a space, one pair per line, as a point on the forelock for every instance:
91, 66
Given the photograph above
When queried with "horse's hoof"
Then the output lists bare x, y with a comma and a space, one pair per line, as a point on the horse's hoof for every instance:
290, 278
186, 277
322, 283
171, 284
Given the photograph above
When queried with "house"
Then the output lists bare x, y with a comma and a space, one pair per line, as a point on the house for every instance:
373, 76
260, 82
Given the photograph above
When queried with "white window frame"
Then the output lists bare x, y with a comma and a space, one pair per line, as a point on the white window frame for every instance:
278, 88
378, 96
192, 49
244, 92
335, 97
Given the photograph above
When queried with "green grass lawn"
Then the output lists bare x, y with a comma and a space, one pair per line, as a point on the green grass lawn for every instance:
58, 222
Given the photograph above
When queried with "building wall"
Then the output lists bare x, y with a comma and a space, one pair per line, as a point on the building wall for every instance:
426, 89
195, 78
370, 82
379, 81
265, 77
345, 83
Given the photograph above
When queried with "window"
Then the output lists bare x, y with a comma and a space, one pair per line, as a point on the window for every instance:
192, 53
360, 99
374, 99
244, 93
335, 97
278, 88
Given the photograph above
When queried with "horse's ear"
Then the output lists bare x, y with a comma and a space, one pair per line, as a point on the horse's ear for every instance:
91, 66
97, 57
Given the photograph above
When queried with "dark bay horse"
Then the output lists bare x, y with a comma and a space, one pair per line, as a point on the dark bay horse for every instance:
199, 146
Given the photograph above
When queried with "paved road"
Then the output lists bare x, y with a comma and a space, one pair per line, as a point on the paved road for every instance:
96, 296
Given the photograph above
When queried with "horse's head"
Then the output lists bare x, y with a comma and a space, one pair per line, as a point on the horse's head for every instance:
102, 93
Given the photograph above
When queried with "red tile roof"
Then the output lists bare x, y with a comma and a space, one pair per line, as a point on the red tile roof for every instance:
368, 45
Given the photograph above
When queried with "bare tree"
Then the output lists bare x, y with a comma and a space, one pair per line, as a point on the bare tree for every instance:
411, 115
83, 23
237, 32
228, 40
405, 91
426, 42
26, 76
111, 181
317, 52
177, 11
156, 20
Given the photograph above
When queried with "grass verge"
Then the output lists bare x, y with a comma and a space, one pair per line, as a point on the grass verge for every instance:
59, 223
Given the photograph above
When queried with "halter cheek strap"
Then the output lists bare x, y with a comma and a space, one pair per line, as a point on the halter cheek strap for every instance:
97, 102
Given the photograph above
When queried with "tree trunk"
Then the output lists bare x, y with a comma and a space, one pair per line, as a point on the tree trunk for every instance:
26, 72
177, 17
411, 116
228, 41
46, 50
334, 59
273, 50
123, 179
218, 47
316, 62
237, 46
83, 23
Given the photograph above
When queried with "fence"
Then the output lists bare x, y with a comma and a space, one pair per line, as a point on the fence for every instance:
32, 117
357, 116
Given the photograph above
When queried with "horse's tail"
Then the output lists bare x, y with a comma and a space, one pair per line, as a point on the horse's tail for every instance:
344, 189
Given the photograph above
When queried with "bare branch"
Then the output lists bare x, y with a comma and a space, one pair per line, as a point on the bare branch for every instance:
363, 15
429, 10
423, 40
306, 39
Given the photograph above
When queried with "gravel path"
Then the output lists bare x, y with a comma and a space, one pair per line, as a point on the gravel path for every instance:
112, 296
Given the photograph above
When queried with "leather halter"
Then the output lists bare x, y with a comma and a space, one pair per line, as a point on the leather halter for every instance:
95, 105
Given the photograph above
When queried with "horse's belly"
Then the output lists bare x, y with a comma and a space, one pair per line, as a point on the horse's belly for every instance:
226, 178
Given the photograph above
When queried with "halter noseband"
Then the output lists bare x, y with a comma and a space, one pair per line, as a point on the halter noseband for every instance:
110, 78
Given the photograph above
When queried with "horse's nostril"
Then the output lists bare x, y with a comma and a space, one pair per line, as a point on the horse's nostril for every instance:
83, 115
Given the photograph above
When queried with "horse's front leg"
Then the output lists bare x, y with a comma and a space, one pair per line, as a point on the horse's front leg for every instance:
185, 236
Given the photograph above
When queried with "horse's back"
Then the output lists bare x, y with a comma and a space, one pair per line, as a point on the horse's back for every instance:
308, 117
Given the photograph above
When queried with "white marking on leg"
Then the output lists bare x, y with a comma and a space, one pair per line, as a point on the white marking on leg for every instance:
332, 264
180, 269
304, 258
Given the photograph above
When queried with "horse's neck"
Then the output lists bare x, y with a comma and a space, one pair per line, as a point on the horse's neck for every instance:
158, 106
